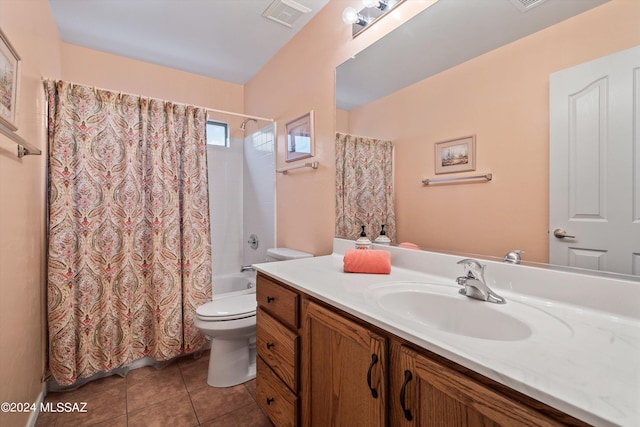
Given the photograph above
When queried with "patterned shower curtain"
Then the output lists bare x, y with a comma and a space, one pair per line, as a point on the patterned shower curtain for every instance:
364, 187
129, 256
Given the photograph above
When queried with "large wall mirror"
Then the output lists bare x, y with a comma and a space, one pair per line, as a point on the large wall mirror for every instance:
477, 68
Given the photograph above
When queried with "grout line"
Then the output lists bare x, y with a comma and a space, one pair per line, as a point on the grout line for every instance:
184, 383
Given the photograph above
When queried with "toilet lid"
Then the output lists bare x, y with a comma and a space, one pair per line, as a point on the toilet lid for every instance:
228, 308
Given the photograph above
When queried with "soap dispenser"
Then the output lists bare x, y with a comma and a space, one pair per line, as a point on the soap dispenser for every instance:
363, 241
382, 239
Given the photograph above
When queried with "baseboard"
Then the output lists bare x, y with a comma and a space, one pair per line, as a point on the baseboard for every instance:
34, 415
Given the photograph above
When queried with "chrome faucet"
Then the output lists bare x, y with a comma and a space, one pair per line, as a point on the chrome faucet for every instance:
514, 257
246, 268
473, 284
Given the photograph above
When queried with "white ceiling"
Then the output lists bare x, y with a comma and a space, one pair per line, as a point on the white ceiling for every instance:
228, 40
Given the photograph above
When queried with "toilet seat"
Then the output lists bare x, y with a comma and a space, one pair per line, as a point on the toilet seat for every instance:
228, 308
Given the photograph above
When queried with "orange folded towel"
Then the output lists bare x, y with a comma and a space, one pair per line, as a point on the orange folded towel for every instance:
367, 261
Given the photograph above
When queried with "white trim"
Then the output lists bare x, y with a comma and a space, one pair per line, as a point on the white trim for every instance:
33, 418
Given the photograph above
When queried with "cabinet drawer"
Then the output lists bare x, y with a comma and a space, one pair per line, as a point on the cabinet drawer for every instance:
278, 346
275, 399
278, 301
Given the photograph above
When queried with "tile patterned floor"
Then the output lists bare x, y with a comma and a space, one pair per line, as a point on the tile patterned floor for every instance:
175, 396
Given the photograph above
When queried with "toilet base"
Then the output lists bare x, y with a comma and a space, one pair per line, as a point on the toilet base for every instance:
232, 361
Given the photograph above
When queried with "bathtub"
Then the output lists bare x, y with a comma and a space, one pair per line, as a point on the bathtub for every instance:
234, 282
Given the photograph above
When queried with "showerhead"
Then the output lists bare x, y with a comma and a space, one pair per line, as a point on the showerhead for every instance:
243, 125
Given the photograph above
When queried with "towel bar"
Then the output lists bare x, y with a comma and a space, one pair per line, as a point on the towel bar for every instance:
487, 176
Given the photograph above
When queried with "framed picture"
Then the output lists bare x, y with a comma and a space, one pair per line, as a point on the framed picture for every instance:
9, 83
456, 155
300, 143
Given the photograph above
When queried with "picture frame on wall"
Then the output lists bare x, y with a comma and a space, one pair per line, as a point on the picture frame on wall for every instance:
456, 155
9, 83
300, 138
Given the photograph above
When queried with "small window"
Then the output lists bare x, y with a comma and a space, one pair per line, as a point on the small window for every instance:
217, 133
299, 144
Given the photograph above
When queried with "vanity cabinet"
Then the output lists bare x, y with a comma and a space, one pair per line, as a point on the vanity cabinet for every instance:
344, 371
328, 368
278, 351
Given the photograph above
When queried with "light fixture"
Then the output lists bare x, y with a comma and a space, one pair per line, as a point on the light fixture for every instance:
380, 4
351, 16
372, 11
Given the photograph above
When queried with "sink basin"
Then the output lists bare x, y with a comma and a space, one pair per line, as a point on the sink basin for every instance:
442, 308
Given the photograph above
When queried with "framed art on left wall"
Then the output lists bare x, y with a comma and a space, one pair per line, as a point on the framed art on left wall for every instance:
300, 143
9, 83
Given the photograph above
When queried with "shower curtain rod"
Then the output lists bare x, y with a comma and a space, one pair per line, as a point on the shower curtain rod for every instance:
209, 110
238, 114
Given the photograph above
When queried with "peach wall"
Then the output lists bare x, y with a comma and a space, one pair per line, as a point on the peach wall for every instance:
502, 98
300, 78
94, 68
30, 28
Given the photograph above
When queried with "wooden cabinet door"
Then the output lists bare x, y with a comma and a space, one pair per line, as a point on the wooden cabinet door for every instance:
427, 393
344, 366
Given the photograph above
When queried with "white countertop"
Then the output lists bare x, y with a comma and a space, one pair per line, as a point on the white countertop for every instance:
585, 361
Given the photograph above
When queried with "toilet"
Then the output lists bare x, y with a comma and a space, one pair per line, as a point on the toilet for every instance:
229, 320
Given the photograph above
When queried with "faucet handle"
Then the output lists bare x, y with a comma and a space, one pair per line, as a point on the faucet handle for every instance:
472, 266
470, 262
514, 256
473, 269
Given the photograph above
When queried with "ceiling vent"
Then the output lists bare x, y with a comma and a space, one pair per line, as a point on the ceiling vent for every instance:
285, 12
525, 5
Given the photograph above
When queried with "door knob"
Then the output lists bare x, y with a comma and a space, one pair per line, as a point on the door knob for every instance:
561, 234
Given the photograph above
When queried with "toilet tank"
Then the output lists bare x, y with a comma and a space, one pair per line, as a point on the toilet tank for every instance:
282, 254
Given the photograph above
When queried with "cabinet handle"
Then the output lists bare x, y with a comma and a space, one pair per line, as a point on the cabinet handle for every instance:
269, 299
270, 345
269, 400
374, 360
407, 413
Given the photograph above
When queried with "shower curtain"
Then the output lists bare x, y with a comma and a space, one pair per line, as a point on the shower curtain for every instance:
129, 256
364, 187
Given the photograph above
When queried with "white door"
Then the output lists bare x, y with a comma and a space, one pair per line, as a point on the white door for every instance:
594, 166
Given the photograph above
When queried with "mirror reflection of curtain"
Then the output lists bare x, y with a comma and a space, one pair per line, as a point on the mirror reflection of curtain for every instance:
129, 256
364, 187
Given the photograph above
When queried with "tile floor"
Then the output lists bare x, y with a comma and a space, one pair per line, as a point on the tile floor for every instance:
174, 396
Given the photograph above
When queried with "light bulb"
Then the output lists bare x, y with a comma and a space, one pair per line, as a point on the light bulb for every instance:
379, 4
350, 15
